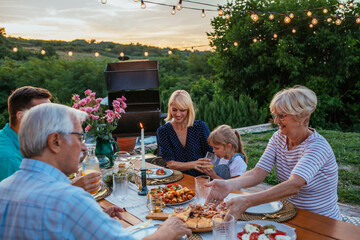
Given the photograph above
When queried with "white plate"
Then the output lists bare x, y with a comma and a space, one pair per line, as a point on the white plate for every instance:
266, 208
168, 173
282, 227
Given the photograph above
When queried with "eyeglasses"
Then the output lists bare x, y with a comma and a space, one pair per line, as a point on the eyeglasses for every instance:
279, 116
83, 135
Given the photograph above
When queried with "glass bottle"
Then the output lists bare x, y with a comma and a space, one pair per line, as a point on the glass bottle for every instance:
90, 163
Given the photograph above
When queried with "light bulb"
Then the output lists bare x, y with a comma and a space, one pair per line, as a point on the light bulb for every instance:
309, 13
203, 13
311, 26
103, 1
122, 54
358, 20
293, 30
173, 11
146, 54
338, 21
254, 40
42, 52
143, 6
221, 12
351, 4
169, 52
341, 6
328, 19
15, 49
227, 16
70, 53
275, 35
96, 54
325, 11
254, 17
291, 15
136, 0
179, 6
314, 21
271, 16
192, 49
287, 19
236, 44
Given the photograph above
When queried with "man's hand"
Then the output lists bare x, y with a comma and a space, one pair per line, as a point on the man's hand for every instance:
88, 181
172, 229
114, 211
219, 190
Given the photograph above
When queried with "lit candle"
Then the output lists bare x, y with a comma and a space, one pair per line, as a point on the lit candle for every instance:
142, 147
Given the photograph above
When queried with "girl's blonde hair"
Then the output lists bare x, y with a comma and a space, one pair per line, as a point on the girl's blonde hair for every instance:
299, 101
223, 135
183, 100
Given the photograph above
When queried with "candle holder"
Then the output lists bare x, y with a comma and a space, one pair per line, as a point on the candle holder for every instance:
144, 191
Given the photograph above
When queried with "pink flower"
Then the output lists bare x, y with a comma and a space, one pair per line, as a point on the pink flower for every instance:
88, 109
76, 98
76, 105
117, 115
95, 117
92, 94
82, 102
87, 128
116, 103
109, 116
87, 99
98, 100
88, 92
96, 108
121, 99
123, 105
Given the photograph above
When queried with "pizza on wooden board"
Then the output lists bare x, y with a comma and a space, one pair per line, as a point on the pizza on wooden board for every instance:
197, 216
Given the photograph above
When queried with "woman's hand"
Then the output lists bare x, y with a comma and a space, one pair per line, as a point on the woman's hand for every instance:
114, 211
210, 172
219, 190
238, 205
88, 181
201, 163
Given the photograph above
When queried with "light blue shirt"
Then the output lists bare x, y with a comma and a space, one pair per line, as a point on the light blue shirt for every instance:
39, 202
10, 156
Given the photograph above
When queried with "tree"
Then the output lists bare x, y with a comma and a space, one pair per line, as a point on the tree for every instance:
324, 57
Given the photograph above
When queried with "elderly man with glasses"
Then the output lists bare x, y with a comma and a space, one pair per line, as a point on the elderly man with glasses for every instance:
38, 201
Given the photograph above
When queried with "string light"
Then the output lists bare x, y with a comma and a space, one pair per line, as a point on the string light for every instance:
143, 6
338, 21
325, 11
314, 21
136, 0
275, 35
227, 16
122, 54
103, 1
192, 49
203, 13
328, 19
358, 20
287, 19
236, 44
271, 16
351, 4
96, 54
179, 6
341, 6
173, 11
169, 52
254, 40
146, 54
42, 52
254, 17
311, 26
221, 12
15, 49
70, 53
291, 15
309, 13
293, 30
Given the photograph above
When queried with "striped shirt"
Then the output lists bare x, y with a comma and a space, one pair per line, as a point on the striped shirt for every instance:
38, 202
314, 161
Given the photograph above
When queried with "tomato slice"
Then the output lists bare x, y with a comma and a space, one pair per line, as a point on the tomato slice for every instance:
254, 236
277, 232
239, 234
271, 237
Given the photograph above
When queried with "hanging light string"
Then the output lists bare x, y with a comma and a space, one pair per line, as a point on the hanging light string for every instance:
184, 7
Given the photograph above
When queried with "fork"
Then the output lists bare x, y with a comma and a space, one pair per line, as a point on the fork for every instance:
141, 226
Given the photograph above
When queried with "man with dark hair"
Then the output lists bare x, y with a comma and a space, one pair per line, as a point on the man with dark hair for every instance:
21, 100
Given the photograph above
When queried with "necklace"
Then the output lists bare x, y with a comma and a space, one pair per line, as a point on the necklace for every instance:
181, 134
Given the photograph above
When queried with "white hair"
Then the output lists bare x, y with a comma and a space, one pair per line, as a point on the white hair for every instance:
42, 120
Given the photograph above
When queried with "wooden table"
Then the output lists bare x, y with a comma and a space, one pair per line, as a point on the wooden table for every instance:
308, 225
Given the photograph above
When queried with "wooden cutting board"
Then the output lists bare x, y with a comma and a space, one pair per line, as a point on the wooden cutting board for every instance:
164, 216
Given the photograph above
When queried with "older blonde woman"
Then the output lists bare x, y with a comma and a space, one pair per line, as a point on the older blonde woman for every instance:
305, 163
183, 141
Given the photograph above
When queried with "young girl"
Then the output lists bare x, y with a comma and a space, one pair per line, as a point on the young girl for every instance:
231, 159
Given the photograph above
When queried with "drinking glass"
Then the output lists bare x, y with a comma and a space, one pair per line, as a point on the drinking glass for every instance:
223, 230
212, 157
155, 203
200, 189
120, 186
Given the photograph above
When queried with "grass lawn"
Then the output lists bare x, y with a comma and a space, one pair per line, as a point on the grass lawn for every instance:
347, 152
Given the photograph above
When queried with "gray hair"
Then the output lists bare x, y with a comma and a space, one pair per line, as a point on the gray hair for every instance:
42, 120
299, 101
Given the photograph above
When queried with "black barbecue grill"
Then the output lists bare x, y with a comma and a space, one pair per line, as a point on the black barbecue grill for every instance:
138, 82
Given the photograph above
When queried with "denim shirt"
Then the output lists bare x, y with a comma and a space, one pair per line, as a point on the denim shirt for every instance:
223, 170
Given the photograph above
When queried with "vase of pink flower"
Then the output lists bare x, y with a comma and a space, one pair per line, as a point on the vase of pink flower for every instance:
101, 122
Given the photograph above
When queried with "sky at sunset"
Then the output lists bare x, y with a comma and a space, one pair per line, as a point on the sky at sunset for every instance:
120, 21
